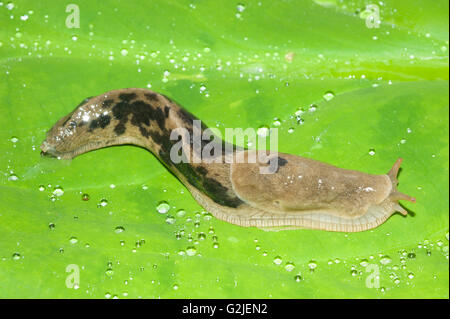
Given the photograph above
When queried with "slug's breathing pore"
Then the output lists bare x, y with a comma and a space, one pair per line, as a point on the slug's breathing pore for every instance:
300, 193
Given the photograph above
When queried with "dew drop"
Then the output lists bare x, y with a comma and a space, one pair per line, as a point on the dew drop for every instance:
181, 213
16, 256
58, 191
119, 229
85, 197
312, 265
328, 96
51, 226
277, 260
385, 260
170, 220
124, 52
73, 240
289, 266
191, 251
13, 177
163, 207
103, 203
263, 131
41, 188
372, 152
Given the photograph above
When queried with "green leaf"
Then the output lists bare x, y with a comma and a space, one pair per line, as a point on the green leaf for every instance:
257, 61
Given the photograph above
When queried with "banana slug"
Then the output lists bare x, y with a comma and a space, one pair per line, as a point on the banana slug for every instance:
301, 193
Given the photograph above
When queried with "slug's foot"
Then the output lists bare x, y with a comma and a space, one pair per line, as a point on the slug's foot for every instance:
395, 195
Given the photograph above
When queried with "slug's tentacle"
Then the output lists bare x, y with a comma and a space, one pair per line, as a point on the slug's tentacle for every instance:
300, 193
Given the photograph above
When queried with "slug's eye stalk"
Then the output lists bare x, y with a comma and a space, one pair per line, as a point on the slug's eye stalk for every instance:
395, 195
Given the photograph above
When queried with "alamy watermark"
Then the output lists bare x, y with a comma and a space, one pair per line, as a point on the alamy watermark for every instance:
371, 15
73, 279
73, 19
373, 279
205, 146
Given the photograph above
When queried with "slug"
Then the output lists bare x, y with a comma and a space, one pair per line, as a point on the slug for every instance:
301, 193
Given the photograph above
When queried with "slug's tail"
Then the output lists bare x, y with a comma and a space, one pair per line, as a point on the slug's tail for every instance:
395, 195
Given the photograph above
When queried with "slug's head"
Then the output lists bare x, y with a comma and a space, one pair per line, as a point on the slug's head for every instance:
77, 132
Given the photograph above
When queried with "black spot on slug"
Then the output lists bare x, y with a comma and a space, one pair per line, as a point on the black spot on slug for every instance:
202, 170
152, 97
281, 161
107, 103
102, 121
127, 96
166, 110
141, 113
120, 129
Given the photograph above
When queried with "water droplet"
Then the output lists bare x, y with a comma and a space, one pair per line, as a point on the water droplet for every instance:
119, 229
201, 236
16, 256
216, 245
175, 287
163, 207
181, 213
124, 52
298, 278
263, 131
372, 152
291, 130
364, 263
353, 272
13, 177
170, 220
410, 275
14, 139
277, 260
10, 6
85, 197
411, 255
41, 188
240, 7
313, 108
328, 96
385, 260
51, 226
109, 272
58, 191
73, 240
312, 265
191, 251
276, 122
289, 266
103, 203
